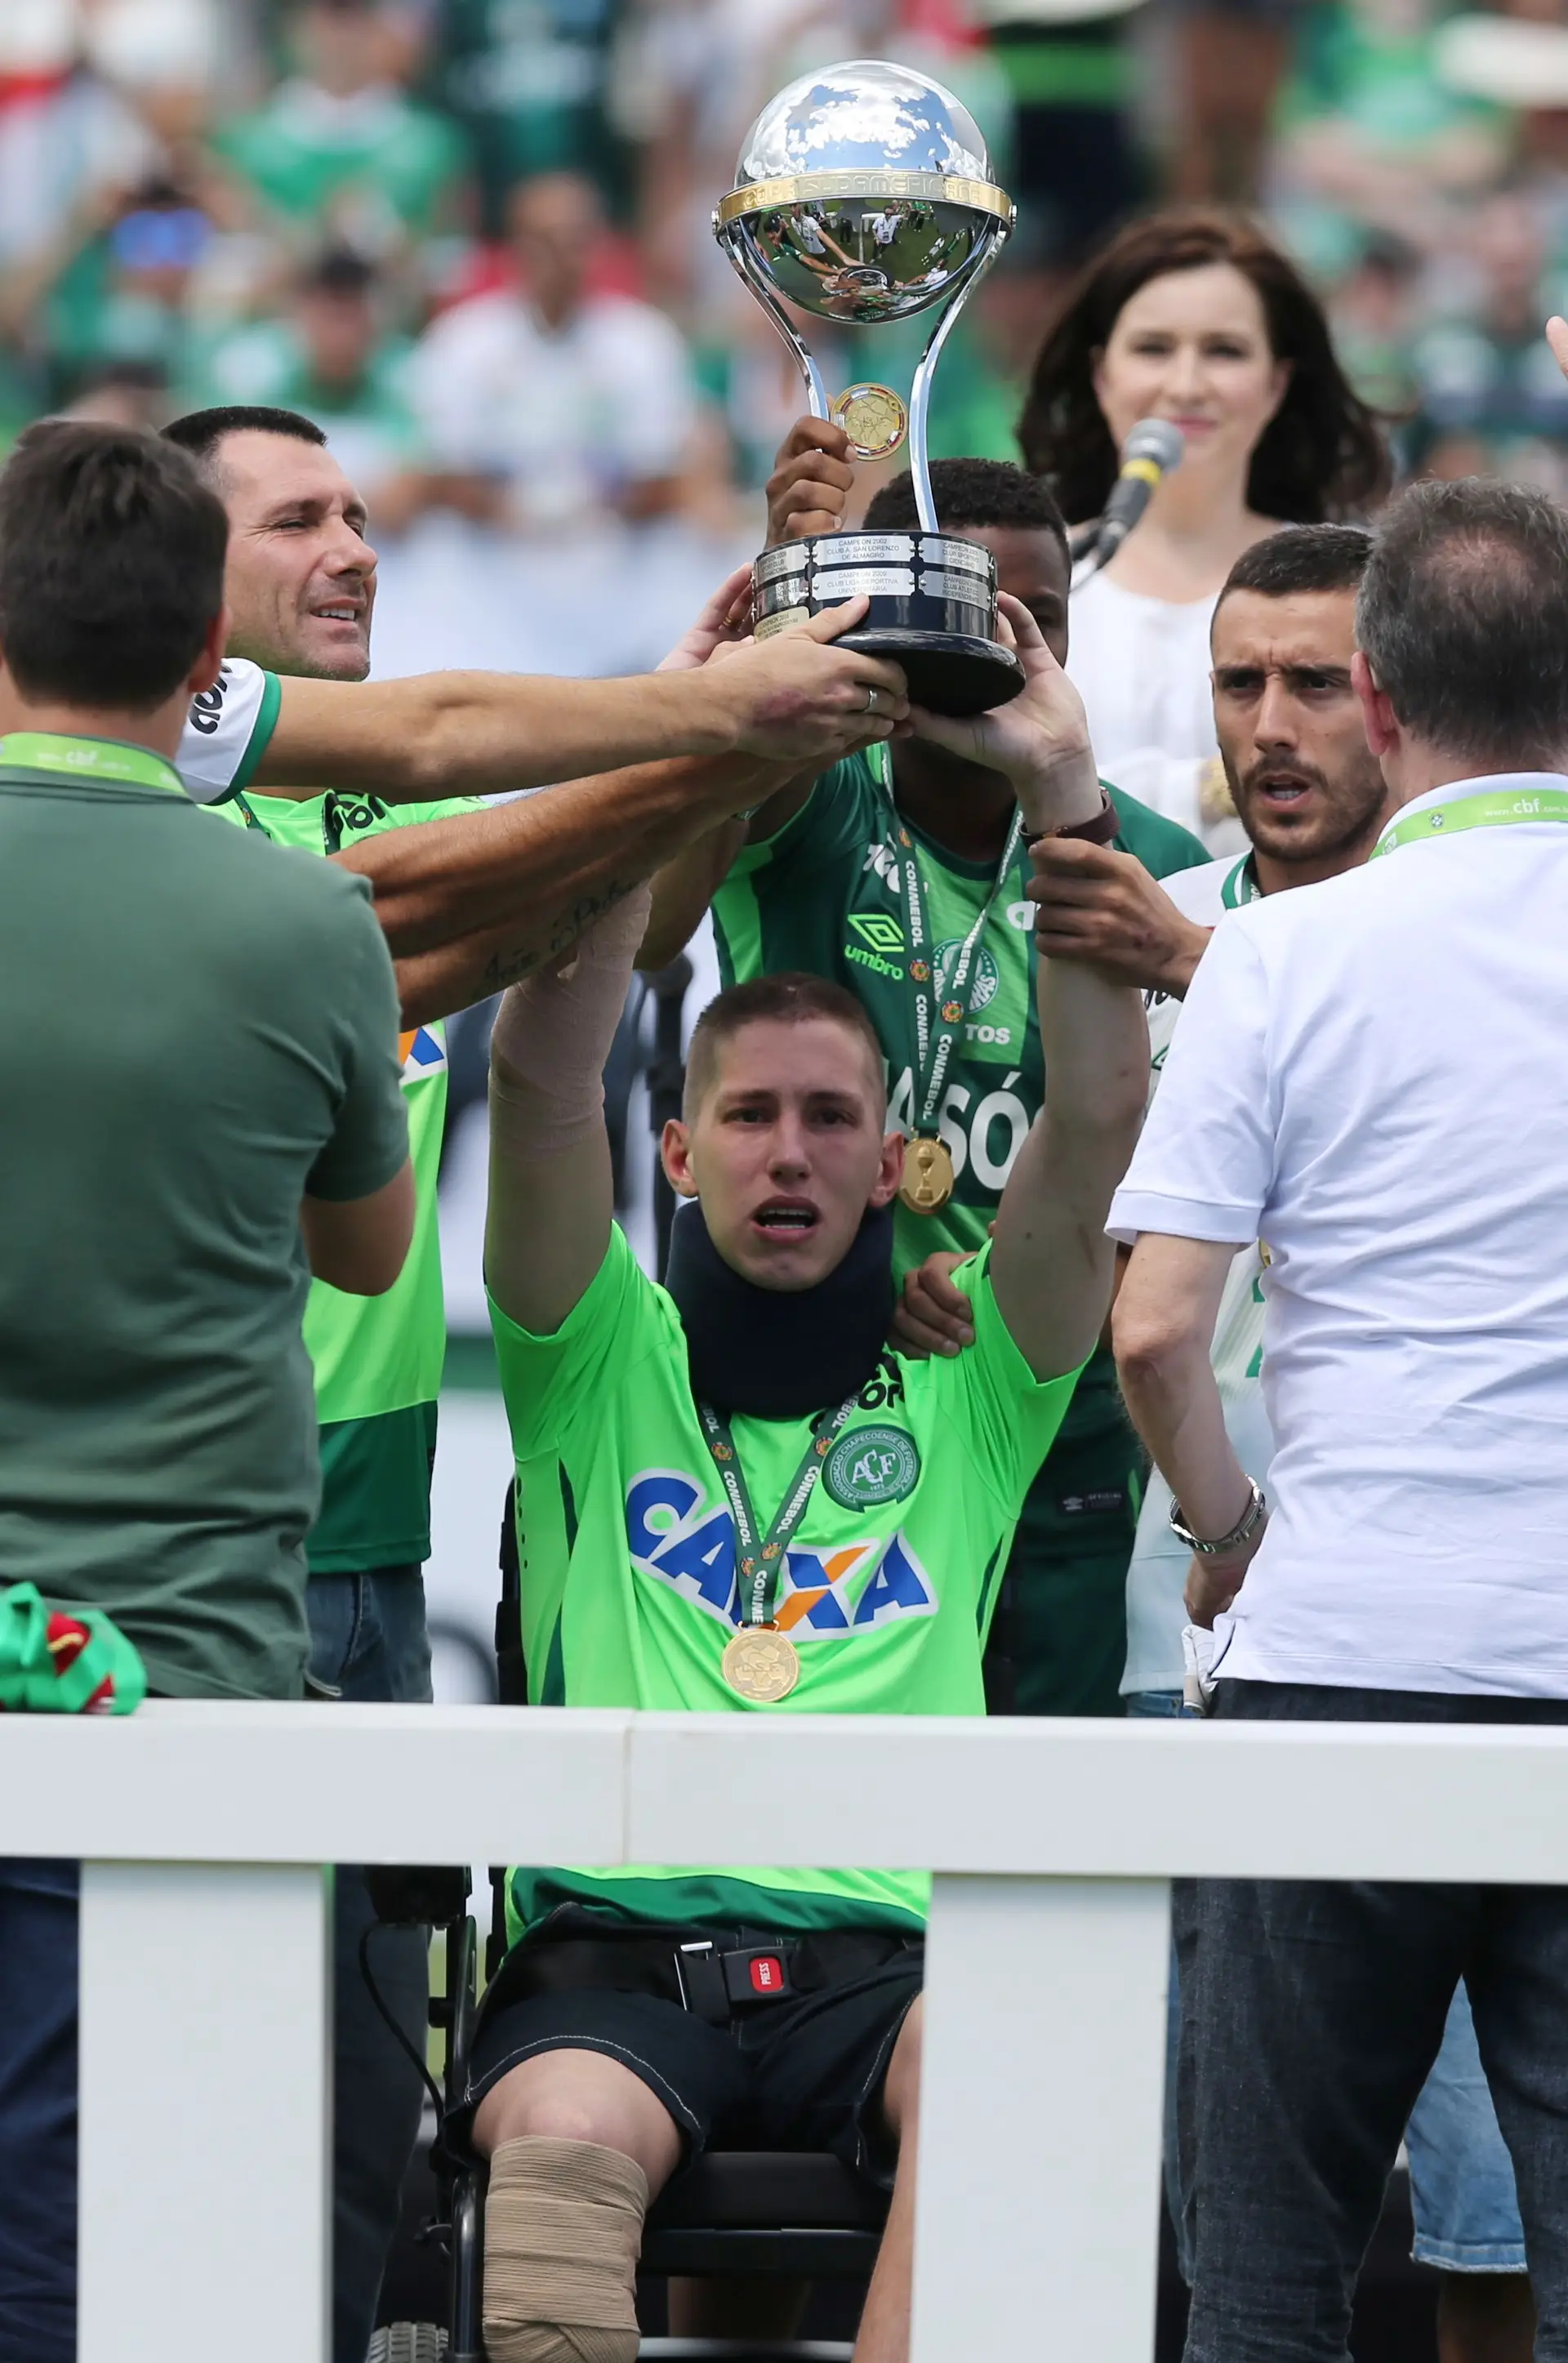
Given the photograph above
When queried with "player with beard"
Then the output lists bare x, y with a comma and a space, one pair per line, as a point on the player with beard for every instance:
1311, 798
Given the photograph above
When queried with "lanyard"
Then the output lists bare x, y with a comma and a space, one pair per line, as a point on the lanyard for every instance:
1498, 810
933, 1046
761, 1567
110, 760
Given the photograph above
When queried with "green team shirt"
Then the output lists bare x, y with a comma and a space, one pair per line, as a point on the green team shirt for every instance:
627, 1552
349, 168
377, 1360
825, 895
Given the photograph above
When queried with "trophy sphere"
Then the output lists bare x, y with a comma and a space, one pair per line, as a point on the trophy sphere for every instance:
864, 193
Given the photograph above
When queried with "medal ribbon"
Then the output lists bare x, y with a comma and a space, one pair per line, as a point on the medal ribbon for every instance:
761, 1565
1498, 810
933, 1041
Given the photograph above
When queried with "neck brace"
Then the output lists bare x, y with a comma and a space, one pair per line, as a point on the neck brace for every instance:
779, 1354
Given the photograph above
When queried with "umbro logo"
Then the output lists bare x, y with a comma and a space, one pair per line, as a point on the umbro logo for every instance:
878, 929
880, 934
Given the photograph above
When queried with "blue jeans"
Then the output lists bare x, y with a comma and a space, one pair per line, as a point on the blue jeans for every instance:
368, 1642
38, 2111
1312, 2013
1462, 2178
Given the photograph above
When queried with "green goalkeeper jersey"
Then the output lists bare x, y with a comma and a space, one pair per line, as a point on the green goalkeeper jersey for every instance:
377, 1360
627, 1557
825, 894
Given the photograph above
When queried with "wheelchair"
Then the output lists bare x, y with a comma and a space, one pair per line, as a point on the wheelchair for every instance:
787, 2216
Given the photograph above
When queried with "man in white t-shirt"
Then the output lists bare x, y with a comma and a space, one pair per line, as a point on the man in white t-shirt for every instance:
1312, 799
1366, 1077
548, 406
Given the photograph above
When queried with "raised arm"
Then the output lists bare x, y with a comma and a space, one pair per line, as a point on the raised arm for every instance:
550, 1189
1051, 1265
791, 697
476, 902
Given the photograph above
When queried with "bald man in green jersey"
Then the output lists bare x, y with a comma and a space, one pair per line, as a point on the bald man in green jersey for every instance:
819, 879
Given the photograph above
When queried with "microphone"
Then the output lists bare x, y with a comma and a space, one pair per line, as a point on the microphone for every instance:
1150, 451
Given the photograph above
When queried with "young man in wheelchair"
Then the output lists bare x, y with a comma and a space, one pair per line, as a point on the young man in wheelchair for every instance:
733, 1496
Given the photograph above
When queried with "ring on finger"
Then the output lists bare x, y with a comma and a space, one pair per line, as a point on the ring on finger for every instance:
871, 701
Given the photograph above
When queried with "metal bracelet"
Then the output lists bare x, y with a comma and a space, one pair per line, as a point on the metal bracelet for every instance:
1220, 1545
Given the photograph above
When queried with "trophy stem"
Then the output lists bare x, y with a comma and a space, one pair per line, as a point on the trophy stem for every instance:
925, 371
762, 288
919, 407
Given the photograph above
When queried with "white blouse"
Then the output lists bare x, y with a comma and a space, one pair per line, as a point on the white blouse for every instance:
1142, 668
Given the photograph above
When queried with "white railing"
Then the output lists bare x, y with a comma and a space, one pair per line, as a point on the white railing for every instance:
204, 2019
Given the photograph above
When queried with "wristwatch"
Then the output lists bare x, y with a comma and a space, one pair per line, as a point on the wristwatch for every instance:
1101, 830
1220, 1545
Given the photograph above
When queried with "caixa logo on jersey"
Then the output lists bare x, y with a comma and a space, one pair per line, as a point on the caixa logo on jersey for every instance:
676, 1534
423, 1052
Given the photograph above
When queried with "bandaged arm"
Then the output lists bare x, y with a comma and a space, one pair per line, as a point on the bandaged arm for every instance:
551, 1196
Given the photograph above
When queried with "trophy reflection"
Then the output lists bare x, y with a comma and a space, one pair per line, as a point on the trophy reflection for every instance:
864, 195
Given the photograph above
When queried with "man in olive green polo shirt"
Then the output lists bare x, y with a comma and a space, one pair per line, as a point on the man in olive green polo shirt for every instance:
199, 1073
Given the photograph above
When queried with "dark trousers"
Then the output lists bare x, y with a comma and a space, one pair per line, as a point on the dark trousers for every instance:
369, 1641
1311, 2014
38, 2111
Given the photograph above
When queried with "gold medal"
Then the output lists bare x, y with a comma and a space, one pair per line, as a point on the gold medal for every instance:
874, 419
761, 1664
928, 1175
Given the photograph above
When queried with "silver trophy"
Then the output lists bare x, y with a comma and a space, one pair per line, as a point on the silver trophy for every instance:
864, 193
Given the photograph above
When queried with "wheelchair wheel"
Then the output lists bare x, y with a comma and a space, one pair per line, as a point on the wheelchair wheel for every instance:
408, 2342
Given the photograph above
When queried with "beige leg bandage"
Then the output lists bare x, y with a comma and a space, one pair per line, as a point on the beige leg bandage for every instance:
562, 2227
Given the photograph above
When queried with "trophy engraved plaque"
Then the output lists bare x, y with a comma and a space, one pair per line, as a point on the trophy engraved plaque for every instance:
864, 193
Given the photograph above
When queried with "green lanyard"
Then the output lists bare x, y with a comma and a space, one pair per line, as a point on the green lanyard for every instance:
934, 1044
760, 1566
1497, 810
1241, 885
112, 760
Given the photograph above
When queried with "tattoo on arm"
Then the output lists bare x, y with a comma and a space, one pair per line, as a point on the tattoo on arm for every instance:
511, 967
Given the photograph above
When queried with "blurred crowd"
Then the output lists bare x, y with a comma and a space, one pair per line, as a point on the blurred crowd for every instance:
472, 236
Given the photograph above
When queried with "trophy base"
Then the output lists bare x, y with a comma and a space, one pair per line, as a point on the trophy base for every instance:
933, 608
948, 672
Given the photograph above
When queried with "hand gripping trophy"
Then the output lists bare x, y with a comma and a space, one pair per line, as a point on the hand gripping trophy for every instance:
864, 193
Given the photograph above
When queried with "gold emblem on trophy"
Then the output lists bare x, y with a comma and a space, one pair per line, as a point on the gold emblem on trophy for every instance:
874, 419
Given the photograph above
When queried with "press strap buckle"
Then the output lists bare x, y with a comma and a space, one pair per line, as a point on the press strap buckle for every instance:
715, 1985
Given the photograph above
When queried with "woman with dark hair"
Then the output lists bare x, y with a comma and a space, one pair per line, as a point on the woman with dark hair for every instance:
1193, 317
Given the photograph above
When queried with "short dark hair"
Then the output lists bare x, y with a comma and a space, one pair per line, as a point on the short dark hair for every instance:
201, 431
1463, 616
792, 997
971, 492
1321, 455
336, 270
1301, 558
111, 565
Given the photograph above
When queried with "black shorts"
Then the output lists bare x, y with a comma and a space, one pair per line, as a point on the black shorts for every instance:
802, 2073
